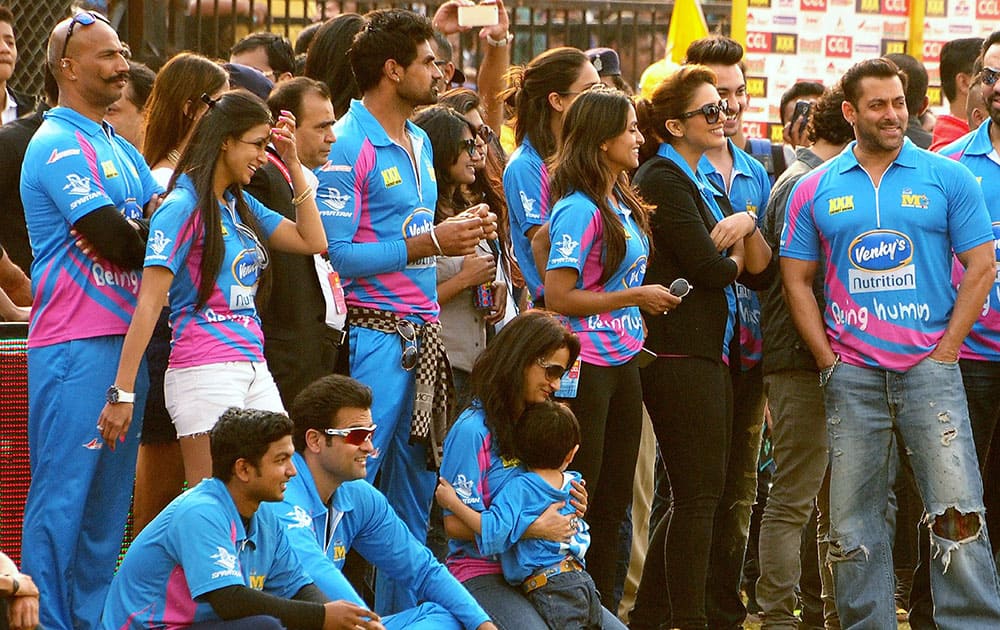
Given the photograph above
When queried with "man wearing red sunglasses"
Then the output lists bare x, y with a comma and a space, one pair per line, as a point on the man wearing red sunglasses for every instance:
329, 509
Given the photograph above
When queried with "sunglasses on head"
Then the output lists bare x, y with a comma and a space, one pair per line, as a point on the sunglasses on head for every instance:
485, 133
355, 436
85, 18
552, 370
712, 112
990, 75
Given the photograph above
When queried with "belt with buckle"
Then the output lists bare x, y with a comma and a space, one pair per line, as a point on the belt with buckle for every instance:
541, 578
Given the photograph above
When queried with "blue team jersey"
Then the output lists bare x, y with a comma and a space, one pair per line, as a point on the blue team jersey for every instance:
526, 189
577, 234
975, 150
359, 517
887, 250
371, 198
748, 192
708, 192
477, 472
197, 545
72, 167
227, 327
522, 501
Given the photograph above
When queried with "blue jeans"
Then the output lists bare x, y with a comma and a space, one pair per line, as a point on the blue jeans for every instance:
927, 406
568, 601
510, 609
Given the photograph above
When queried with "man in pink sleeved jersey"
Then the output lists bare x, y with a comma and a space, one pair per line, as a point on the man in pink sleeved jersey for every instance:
80, 180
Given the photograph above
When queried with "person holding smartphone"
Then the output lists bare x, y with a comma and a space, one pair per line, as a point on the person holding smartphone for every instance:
597, 261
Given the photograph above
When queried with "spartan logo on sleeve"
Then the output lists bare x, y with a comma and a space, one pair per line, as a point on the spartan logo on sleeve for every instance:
566, 247
158, 242
335, 201
77, 185
463, 488
882, 260
300, 517
227, 561
529, 206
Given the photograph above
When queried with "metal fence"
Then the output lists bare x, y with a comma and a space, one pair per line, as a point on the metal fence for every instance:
157, 29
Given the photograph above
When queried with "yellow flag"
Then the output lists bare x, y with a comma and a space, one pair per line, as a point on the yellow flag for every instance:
687, 24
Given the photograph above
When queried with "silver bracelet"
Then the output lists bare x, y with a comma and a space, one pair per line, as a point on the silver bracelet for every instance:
499, 43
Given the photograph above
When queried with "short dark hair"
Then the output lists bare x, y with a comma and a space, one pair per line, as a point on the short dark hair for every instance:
244, 434
305, 38
444, 47
916, 81
288, 95
6, 15
826, 120
991, 39
387, 34
317, 405
140, 81
546, 433
881, 68
280, 54
796, 92
714, 50
957, 56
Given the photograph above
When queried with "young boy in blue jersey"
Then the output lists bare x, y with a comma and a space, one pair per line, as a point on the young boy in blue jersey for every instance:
551, 574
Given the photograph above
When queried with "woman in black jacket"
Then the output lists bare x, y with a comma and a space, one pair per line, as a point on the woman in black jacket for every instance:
687, 390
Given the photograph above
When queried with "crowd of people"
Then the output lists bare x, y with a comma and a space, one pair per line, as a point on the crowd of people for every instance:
298, 303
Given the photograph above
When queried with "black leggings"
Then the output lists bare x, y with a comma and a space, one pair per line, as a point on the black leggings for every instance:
690, 401
608, 406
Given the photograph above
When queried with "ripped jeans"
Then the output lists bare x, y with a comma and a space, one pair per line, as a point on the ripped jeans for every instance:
927, 406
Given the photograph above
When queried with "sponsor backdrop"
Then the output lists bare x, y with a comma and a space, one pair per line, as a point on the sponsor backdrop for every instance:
14, 472
817, 40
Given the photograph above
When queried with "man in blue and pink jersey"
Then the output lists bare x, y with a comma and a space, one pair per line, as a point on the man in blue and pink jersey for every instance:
886, 217
980, 355
80, 180
377, 195
214, 555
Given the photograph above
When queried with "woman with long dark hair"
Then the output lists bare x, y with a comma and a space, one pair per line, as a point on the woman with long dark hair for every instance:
597, 261
207, 246
521, 366
327, 59
539, 94
463, 322
687, 389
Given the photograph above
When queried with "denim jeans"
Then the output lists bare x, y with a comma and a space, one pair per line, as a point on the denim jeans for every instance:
801, 454
927, 407
510, 609
568, 601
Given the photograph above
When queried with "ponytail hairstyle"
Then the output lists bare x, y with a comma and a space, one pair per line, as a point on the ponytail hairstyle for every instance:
671, 98
528, 89
596, 116
229, 117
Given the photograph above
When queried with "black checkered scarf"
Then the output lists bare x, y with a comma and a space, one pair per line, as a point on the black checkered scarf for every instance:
434, 390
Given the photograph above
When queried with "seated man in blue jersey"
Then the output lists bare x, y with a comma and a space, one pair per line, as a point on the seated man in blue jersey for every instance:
212, 560
330, 508
551, 574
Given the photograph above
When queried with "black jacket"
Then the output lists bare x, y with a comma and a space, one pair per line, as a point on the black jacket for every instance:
14, 139
682, 248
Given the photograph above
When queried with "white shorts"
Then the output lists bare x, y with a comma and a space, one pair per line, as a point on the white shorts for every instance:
197, 396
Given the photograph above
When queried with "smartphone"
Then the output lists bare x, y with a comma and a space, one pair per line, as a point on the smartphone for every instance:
644, 358
802, 109
478, 15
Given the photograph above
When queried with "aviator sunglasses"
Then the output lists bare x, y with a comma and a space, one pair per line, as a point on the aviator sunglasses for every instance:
552, 370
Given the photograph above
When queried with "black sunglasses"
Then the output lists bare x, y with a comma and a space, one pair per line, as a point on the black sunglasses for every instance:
712, 112
485, 133
552, 370
408, 336
86, 18
990, 75
680, 287
470, 146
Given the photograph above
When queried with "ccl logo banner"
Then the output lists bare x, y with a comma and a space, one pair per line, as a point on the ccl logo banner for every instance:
885, 7
839, 46
987, 9
812, 5
932, 51
779, 43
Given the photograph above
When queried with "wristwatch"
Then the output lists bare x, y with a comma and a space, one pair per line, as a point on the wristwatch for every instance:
500, 43
116, 395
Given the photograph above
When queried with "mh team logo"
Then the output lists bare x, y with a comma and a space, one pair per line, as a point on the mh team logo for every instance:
463, 488
77, 185
159, 242
301, 518
225, 559
528, 203
567, 246
334, 200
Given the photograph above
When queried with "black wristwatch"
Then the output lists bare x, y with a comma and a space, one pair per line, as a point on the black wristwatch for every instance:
116, 395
